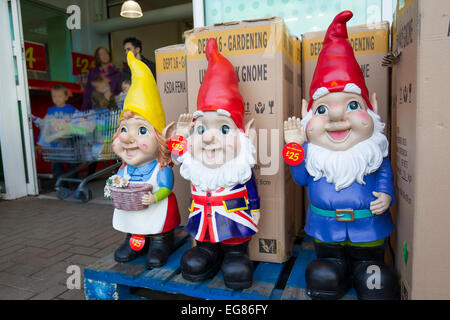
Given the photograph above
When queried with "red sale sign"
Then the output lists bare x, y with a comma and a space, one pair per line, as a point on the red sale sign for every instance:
137, 242
293, 154
35, 56
177, 145
82, 63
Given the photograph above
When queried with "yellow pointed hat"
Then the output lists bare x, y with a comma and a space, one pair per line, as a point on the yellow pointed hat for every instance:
143, 96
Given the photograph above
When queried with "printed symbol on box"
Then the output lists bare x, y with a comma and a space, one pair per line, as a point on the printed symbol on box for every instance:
259, 107
293, 154
271, 102
268, 246
177, 145
247, 109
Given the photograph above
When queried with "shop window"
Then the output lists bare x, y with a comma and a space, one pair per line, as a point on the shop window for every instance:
47, 45
300, 16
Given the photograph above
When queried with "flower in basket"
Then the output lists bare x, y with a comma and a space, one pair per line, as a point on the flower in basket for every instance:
107, 193
115, 181
118, 181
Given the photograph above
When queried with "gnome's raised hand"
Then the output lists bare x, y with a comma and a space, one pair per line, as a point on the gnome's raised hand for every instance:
293, 131
184, 125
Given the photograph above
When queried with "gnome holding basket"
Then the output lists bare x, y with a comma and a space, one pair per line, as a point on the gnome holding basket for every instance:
224, 211
145, 207
348, 175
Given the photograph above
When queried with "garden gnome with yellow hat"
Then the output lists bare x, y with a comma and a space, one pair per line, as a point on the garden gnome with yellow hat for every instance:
141, 143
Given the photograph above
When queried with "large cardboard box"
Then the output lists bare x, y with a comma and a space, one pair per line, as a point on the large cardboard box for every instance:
262, 54
299, 217
171, 82
370, 44
422, 148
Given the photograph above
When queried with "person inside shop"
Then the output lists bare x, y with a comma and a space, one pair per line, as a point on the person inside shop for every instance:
102, 97
125, 86
135, 45
105, 68
54, 127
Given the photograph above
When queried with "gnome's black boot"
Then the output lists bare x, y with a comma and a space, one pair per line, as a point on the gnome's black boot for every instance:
201, 262
124, 253
160, 248
236, 266
328, 277
373, 279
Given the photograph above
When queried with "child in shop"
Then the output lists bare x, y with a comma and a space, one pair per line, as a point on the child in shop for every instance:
120, 98
54, 126
102, 97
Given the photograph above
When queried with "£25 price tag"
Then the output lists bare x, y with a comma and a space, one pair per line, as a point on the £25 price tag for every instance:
137, 242
293, 154
177, 145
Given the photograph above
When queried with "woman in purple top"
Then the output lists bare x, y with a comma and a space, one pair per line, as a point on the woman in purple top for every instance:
104, 67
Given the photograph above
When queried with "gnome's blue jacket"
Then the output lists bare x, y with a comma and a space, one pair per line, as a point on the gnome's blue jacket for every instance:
357, 196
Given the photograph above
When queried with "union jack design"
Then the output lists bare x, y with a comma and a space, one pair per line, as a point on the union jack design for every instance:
222, 214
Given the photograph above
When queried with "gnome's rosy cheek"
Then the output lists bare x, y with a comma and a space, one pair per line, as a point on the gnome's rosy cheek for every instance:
143, 146
123, 137
364, 117
230, 145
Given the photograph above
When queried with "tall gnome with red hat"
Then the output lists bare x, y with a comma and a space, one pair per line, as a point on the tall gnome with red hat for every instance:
348, 174
224, 211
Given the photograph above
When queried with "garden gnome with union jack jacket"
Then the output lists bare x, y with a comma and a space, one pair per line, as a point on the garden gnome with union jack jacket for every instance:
224, 211
348, 174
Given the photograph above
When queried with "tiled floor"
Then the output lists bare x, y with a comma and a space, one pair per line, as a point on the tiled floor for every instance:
40, 238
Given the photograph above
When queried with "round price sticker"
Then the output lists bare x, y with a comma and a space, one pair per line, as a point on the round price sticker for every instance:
293, 154
177, 145
137, 242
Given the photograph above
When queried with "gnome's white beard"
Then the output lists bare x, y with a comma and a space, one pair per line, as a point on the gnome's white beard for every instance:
345, 167
231, 173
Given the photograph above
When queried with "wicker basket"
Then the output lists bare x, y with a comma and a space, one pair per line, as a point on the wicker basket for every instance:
130, 198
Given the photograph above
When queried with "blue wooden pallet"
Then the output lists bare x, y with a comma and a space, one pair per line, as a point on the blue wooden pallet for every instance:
107, 279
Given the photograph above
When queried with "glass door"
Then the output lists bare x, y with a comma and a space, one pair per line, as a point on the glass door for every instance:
16, 137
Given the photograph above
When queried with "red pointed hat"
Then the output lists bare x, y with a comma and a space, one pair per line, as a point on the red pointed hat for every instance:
337, 68
219, 90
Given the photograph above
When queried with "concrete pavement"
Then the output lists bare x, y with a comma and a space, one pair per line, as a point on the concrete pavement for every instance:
40, 238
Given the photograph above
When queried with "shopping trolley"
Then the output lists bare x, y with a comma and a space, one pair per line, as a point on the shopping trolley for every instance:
84, 138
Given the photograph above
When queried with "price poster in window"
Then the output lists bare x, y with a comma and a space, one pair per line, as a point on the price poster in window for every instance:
82, 63
35, 56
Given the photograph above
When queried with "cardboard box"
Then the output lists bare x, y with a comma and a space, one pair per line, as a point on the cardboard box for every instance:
422, 148
370, 44
299, 217
171, 82
262, 54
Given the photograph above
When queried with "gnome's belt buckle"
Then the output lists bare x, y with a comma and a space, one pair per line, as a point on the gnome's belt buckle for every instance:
345, 215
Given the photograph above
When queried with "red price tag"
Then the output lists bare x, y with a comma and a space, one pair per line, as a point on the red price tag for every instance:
35, 56
137, 242
82, 63
177, 145
293, 154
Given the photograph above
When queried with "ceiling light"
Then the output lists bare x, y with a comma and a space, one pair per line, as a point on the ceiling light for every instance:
131, 9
